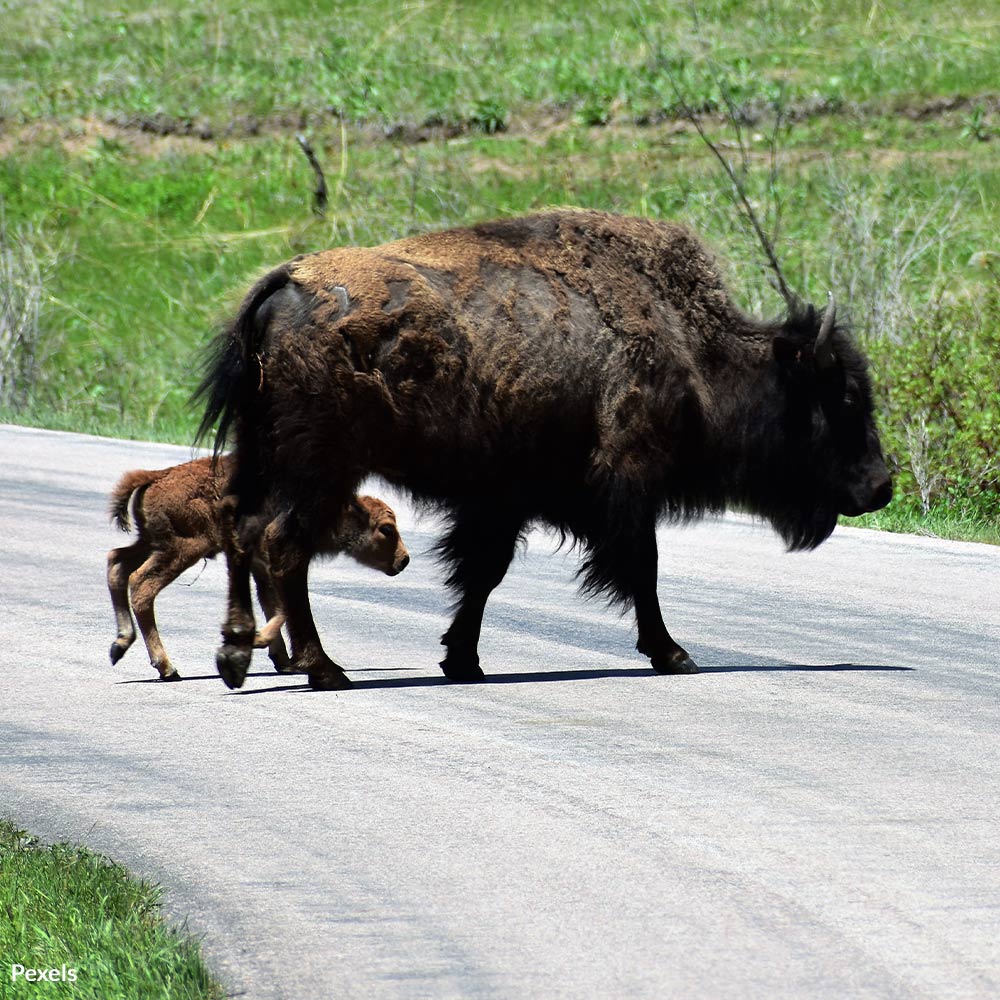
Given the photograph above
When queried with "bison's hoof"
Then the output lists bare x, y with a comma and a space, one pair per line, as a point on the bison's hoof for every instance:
677, 663
329, 680
117, 652
172, 676
233, 662
463, 669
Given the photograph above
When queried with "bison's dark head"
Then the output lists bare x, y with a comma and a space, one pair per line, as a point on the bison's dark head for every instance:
835, 462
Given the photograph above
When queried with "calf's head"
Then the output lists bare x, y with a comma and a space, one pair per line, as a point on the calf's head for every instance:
368, 534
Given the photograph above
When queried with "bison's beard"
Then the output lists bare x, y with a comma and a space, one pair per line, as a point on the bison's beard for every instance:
804, 530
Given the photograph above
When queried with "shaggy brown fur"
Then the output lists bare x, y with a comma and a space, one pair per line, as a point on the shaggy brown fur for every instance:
581, 369
180, 517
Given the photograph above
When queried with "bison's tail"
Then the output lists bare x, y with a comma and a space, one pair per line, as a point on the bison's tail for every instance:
121, 495
232, 371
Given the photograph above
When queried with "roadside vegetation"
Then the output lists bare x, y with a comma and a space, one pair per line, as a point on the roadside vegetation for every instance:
100, 932
149, 170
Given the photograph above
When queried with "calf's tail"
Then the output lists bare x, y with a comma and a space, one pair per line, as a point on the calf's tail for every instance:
121, 495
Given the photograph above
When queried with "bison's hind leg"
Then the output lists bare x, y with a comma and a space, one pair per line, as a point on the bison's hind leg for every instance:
672, 661
232, 659
290, 542
242, 522
479, 546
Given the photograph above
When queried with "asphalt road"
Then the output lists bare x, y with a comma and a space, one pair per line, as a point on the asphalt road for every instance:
814, 815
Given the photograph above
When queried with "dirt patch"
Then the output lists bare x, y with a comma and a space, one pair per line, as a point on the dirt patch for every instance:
85, 134
157, 134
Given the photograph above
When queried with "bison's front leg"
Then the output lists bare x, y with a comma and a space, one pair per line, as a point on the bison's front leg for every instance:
623, 563
480, 546
665, 655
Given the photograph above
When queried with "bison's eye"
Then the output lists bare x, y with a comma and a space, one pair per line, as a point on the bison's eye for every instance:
388, 531
853, 399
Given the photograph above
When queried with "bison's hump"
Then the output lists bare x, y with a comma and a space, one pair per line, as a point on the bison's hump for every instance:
563, 277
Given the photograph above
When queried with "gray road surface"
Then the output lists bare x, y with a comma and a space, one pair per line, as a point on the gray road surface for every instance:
814, 815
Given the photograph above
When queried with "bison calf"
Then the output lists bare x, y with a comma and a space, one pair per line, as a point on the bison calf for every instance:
180, 518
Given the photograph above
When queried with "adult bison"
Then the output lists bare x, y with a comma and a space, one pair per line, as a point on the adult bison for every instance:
578, 369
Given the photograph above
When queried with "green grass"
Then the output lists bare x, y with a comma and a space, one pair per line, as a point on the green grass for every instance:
388, 63
146, 240
62, 906
957, 522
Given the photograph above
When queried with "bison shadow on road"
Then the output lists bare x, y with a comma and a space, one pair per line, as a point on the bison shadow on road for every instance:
540, 676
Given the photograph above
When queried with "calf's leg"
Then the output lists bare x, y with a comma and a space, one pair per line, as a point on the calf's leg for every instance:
159, 570
269, 635
122, 563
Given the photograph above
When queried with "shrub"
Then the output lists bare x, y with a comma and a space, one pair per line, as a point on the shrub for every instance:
939, 395
22, 280
489, 116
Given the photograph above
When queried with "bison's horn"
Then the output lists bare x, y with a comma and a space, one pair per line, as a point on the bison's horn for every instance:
823, 351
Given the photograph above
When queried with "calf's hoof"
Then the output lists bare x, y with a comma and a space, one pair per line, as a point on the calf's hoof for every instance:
233, 662
172, 675
281, 661
464, 669
117, 652
677, 662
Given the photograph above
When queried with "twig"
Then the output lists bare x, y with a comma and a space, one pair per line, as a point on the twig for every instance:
724, 89
319, 194
738, 187
772, 183
740, 191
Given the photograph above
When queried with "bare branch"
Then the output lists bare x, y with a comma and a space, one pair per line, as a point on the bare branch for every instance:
319, 194
738, 186
732, 112
740, 193
772, 183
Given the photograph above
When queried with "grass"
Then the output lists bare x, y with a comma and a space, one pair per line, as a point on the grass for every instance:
150, 162
64, 908
951, 521
444, 60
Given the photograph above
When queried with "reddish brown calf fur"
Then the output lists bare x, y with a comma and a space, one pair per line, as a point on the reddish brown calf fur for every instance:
179, 520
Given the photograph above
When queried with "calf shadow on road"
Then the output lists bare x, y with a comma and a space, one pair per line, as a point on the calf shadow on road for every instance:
534, 676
